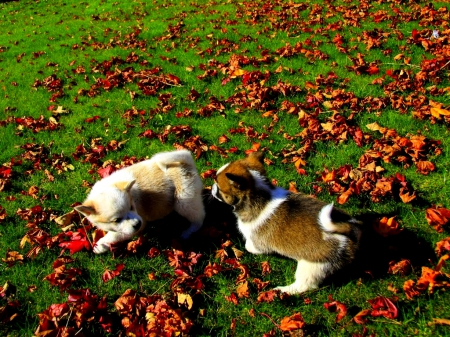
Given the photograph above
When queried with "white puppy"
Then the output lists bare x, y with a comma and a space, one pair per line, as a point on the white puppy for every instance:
125, 201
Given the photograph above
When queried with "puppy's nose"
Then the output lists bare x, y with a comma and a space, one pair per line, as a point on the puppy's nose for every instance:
137, 225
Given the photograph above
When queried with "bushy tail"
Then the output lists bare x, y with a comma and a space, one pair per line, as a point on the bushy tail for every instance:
165, 160
338, 222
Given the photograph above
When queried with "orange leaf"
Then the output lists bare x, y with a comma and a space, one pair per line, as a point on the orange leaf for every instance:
425, 167
441, 262
242, 290
410, 289
406, 196
437, 217
387, 226
442, 246
293, 322
239, 72
437, 112
343, 198
360, 316
402, 267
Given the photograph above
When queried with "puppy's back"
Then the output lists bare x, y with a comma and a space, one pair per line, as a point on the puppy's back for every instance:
306, 228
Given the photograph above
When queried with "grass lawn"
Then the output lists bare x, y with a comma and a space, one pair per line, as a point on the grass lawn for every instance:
349, 100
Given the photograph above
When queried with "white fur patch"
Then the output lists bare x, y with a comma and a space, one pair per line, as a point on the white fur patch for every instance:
329, 227
278, 197
325, 218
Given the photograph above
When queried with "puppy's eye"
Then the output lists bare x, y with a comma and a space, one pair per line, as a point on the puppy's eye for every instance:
117, 220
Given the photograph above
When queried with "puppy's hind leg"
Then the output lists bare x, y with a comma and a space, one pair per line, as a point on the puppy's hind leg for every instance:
308, 276
193, 210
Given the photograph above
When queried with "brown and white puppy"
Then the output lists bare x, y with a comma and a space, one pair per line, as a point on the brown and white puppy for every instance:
125, 201
320, 237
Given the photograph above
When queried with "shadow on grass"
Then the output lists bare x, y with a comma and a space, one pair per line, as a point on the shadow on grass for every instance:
378, 253
372, 262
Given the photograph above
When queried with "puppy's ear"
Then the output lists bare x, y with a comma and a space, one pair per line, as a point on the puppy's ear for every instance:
85, 210
240, 182
125, 185
255, 161
257, 156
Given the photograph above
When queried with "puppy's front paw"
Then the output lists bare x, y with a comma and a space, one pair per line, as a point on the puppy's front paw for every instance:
104, 243
251, 247
101, 247
289, 290
192, 229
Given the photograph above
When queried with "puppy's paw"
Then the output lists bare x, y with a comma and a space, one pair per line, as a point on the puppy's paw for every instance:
104, 243
192, 229
250, 247
101, 247
288, 290
186, 234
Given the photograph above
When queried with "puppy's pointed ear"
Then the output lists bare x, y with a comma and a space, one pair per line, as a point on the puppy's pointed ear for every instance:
85, 210
240, 182
255, 161
125, 185
256, 156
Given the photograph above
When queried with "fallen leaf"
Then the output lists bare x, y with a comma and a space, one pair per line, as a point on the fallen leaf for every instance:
292, 323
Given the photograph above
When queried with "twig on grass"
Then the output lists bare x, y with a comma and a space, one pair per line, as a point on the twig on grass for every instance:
271, 319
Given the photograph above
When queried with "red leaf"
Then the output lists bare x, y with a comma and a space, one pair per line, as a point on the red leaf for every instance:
382, 306
372, 70
105, 171
336, 306
232, 298
78, 241
110, 274
92, 119
244, 273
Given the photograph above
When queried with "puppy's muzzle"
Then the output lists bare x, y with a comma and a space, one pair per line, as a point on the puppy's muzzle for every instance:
137, 225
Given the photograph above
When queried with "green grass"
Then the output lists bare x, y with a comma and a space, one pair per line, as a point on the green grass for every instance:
185, 39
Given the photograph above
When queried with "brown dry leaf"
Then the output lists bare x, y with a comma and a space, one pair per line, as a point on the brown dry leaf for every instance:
12, 257
376, 127
59, 110
238, 253
407, 196
66, 219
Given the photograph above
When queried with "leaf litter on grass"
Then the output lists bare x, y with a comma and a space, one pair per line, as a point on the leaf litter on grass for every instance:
248, 69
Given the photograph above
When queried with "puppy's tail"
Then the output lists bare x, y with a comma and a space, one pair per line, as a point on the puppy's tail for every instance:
335, 221
166, 160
